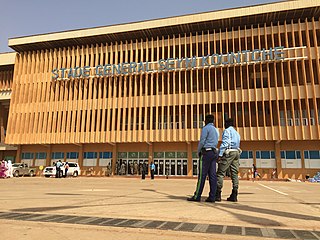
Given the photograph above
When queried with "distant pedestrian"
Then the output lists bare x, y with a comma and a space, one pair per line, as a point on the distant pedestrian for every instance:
3, 169
274, 173
58, 169
10, 173
152, 168
143, 171
255, 172
66, 168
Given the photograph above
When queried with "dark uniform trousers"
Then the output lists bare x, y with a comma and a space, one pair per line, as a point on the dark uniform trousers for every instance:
207, 166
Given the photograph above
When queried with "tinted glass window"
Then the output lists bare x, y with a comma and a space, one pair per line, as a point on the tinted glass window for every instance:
272, 154
298, 154
265, 154
244, 155
290, 155
314, 154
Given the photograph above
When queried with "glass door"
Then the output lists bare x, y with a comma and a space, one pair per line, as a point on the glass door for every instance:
161, 168
179, 167
185, 167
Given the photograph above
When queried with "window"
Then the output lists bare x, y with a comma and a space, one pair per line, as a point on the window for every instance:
105, 155
314, 155
265, 159
72, 155
41, 155
27, 155
312, 159
291, 159
57, 155
90, 155
246, 159
265, 154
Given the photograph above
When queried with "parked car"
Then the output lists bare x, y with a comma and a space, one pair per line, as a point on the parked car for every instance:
50, 171
22, 169
74, 170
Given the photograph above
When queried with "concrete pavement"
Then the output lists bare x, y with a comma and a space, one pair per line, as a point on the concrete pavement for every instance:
131, 208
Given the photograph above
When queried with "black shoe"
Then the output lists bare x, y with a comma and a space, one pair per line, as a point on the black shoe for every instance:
193, 199
218, 196
233, 197
210, 200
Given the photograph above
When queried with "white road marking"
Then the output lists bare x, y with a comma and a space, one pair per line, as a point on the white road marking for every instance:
201, 228
273, 189
315, 235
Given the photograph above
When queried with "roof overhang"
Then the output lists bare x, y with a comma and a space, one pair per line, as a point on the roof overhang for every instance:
7, 58
272, 12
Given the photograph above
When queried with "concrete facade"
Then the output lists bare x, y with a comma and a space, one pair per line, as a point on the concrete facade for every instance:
139, 92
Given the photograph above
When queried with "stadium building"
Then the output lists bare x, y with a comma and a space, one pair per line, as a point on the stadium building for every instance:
130, 93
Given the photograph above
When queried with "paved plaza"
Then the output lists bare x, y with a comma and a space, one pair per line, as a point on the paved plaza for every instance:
131, 208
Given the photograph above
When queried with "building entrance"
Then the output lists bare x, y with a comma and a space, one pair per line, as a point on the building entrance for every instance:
171, 167
131, 166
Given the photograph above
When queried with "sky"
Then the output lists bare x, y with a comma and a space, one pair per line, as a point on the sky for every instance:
31, 17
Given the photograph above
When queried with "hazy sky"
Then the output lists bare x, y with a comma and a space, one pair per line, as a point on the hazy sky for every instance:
29, 17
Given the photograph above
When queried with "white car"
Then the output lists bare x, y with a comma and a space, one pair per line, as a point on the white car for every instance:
74, 170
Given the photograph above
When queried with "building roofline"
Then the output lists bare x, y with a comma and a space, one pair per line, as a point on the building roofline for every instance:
7, 58
165, 22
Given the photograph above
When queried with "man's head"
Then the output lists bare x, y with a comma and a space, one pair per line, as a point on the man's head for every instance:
228, 122
209, 119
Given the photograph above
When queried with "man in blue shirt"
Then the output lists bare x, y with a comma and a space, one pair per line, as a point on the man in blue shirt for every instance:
229, 155
208, 155
152, 168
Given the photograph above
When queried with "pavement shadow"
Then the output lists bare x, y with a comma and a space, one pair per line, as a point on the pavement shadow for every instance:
174, 197
45, 209
253, 220
64, 194
269, 211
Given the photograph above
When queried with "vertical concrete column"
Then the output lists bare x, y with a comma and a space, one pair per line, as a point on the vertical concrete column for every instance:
114, 158
277, 149
303, 167
190, 165
2, 136
18, 157
80, 161
48, 158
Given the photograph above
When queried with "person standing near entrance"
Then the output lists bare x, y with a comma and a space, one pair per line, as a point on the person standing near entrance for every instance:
208, 156
229, 155
143, 170
255, 172
58, 169
152, 168
66, 168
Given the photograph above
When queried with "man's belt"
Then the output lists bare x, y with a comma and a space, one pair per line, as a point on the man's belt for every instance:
209, 149
233, 150
227, 151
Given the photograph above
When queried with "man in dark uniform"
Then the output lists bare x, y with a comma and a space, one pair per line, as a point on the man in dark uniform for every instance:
207, 163
229, 155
